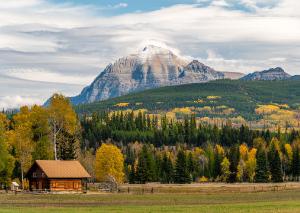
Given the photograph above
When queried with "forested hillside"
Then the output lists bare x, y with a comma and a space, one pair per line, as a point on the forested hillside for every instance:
243, 96
258, 104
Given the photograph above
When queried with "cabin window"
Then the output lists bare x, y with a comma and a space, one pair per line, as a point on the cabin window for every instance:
34, 174
43, 174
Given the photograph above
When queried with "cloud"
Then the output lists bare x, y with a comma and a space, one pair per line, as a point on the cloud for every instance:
62, 46
48, 76
220, 3
13, 102
120, 5
19, 4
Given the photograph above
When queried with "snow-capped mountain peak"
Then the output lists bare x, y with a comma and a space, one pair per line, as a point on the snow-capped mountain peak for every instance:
152, 66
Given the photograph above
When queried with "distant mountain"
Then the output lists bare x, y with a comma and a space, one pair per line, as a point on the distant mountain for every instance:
196, 72
151, 67
295, 77
268, 75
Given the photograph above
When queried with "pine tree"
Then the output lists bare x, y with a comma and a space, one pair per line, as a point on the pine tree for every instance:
234, 161
296, 164
166, 170
146, 166
217, 165
131, 176
181, 171
261, 171
276, 170
68, 147
191, 165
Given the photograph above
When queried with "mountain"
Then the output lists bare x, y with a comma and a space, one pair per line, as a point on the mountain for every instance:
151, 67
295, 77
242, 96
267, 75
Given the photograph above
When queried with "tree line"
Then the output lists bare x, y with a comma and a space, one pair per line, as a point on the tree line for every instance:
151, 148
183, 151
264, 162
127, 127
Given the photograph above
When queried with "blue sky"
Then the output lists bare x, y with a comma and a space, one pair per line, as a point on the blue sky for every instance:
49, 46
132, 5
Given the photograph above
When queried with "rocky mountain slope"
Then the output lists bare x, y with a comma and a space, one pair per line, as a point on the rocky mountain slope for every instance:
151, 67
268, 75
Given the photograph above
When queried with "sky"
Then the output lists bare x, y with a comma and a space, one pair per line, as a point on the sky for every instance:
49, 46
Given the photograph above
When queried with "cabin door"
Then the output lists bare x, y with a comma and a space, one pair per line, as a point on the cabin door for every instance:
40, 185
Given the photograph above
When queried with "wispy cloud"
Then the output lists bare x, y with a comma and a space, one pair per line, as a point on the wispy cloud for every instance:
13, 102
120, 5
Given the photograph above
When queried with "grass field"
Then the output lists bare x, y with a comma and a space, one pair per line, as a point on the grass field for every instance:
226, 200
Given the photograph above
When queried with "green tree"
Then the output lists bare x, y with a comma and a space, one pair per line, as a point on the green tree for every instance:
296, 162
132, 175
146, 166
275, 163
276, 171
191, 165
234, 161
261, 172
181, 170
166, 170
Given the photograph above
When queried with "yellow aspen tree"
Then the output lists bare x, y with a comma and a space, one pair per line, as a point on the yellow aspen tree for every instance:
21, 138
109, 163
225, 169
251, 164
289, 152
62, 118
220, 150
243, 152
241, 170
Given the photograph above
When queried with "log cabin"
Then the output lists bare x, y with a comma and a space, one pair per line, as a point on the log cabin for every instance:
56, 175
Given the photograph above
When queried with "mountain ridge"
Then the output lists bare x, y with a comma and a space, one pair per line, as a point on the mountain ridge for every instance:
268, 75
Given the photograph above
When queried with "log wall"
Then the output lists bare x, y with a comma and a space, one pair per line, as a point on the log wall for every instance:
65, 185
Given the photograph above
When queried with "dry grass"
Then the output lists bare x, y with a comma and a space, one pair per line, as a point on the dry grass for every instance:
207, 188
166, 198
